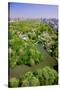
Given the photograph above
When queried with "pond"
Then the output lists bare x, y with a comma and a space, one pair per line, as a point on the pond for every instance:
20, 70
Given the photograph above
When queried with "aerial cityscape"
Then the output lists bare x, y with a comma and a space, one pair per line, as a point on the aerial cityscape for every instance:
33, 44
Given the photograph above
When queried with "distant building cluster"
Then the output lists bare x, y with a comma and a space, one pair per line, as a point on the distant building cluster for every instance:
53, 22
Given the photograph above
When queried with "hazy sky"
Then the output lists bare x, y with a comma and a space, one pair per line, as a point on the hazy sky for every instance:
18, 10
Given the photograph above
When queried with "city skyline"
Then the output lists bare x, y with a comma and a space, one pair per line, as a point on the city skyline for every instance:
27, 10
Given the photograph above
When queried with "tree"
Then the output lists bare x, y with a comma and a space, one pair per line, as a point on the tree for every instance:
46, 76
38, 74
34, 81
26, 79
25, 83
31, 62
28, 75
12, 58
14, 82
30, 80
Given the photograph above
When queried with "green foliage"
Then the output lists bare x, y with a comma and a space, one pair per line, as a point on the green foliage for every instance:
30, 80
34, 81
38, 74
23, 39
29, 55
31, 62
24, 48
12, 58
46, 76
28, 75
25, 83
14, 82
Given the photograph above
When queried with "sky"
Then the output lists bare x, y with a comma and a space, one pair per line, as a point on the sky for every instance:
19, 10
